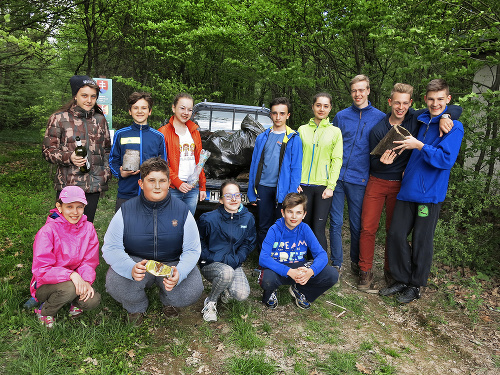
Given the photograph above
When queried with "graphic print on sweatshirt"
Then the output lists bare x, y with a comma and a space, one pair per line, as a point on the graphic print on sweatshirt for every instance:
286, 252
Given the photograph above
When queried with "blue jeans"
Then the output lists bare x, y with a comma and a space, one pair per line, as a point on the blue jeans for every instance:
190, 198
354, 194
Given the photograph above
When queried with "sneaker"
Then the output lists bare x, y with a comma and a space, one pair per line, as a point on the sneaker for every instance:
46, 320
365, 279
225, 296
30, 304
397, 287
170, 312
300, 299
411, 293
272, 301
75, 311
355, 268
209, 311
136, 318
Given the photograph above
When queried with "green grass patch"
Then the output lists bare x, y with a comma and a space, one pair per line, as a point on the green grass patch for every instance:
339, 364
243, 332
250, 365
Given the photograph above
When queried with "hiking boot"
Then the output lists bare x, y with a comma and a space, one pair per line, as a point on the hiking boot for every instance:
389, 280
30, 304
355, 268
397, 287
135, 318
225, 296
46, 320
411, 293
365, 279
170, 312
75, 311
300, 299
272, 301
209, 311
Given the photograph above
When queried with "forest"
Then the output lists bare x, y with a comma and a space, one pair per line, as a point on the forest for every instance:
248, 52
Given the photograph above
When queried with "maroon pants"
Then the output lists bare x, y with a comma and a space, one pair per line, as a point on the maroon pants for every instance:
378, 192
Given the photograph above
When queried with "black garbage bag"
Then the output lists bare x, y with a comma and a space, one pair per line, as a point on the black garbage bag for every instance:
231, 151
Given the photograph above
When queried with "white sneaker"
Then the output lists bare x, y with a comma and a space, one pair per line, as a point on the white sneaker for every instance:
209, 311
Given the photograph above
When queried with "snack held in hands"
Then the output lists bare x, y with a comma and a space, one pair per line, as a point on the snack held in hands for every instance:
159, 269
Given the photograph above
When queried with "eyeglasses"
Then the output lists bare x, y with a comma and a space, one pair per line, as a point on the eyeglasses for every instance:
231, 197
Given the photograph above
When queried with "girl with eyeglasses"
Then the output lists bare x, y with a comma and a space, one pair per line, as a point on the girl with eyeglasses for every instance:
321, 163
227, 236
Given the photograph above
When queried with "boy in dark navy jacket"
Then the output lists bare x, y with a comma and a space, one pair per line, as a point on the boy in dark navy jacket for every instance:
423, 189
138, 136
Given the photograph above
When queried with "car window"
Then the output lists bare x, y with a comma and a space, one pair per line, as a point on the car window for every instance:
202, 118
223, 120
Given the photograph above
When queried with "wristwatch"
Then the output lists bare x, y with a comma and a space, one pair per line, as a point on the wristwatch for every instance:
446, 115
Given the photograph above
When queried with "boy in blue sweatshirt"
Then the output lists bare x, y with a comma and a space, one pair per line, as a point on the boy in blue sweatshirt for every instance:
423, 189
283, 262
138, 136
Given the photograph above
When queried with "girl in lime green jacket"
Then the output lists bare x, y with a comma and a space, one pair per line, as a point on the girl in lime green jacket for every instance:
321, 162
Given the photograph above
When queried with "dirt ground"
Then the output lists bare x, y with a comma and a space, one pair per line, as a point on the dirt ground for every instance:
427, 336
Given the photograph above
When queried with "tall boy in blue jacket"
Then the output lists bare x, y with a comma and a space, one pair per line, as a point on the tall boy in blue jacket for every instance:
276, 167
423, 189
138, 136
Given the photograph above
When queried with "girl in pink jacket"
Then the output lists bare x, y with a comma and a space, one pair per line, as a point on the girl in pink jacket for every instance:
65, 256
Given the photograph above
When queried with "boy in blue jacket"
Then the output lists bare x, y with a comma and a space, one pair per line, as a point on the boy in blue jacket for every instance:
138, 136
283, 262
423, 189
276, 167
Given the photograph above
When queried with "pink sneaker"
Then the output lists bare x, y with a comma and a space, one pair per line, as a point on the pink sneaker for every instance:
75, 311
47, 321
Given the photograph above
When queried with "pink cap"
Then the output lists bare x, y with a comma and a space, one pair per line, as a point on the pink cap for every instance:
72, 194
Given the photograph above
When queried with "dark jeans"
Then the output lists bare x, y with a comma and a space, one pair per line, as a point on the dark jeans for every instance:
267, 209
354, 194
55, 296
317, 211
316, 286
91, 207
412, 264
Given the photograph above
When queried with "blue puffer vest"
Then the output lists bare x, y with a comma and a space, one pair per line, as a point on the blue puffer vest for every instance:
154, 230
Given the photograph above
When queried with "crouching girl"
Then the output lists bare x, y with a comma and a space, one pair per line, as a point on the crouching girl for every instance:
227, 237
65, 256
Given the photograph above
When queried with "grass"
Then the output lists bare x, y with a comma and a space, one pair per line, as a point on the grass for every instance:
101, 343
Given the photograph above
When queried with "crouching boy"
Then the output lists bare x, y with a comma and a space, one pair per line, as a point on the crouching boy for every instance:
283, 262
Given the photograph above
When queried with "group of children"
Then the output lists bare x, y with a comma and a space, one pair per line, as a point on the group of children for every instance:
293, 176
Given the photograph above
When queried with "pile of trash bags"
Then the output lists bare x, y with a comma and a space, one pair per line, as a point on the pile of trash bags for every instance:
231, 152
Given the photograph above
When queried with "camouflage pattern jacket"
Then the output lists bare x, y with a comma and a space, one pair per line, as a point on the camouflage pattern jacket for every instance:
59, 143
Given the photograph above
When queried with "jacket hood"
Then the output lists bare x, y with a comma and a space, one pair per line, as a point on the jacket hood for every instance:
80, 112
190, 124
323, 123
56, 217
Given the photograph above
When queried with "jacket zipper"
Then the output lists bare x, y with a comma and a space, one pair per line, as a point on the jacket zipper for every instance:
155, 233
312, 157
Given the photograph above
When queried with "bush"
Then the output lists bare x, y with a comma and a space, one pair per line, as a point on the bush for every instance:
466, 235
